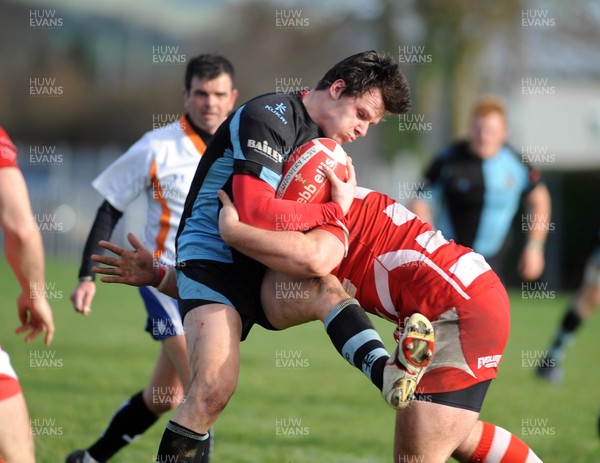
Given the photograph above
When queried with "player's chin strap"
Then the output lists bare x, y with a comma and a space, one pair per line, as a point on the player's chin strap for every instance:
346, 235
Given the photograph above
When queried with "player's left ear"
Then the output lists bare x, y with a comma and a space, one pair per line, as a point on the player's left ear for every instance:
185, 94
337, 88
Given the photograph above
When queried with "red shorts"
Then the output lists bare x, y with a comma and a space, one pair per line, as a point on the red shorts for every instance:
9, 384
469, 341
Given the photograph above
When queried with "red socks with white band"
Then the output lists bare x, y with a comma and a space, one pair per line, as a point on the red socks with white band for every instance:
497, 445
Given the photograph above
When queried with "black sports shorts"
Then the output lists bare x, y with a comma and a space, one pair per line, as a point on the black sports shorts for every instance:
470, 398
237, 285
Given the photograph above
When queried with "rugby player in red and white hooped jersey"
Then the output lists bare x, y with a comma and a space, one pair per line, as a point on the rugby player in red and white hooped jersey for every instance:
25, 254
396, 265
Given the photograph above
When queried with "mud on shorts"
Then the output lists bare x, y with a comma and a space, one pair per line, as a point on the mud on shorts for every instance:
469, 341
237, 285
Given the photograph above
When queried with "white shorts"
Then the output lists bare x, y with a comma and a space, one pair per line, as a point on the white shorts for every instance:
9, 383
164, 319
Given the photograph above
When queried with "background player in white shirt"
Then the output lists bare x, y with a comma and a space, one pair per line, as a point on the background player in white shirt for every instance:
160, 165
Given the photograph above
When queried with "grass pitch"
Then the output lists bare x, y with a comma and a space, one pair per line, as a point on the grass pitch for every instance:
297, 401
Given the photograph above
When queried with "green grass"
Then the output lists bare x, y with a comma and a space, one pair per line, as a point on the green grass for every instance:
336, 415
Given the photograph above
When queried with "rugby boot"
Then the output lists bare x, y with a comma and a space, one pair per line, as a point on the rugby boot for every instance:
404, 369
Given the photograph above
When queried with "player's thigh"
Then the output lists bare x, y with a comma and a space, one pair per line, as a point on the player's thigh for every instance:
213, 333
16, 442
430, 432
287, 301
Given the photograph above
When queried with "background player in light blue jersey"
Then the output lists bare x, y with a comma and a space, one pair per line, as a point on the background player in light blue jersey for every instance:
479, 184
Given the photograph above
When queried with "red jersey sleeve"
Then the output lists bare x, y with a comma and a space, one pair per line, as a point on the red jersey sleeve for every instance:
340, 232
8, 151
256, 204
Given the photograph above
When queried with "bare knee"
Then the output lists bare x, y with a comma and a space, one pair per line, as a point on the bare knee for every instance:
422, 423
325, 292
329, 292
161, 399
210, 400
329, 286
589, 300
468, 446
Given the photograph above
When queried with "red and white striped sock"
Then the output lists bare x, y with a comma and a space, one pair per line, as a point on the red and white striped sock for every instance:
497, 445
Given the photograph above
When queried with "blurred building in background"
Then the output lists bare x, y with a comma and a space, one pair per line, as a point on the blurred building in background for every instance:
81, 81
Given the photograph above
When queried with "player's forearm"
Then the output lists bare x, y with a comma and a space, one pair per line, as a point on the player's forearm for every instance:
25, 254
292, 253
170, 288
22, 240
102, 228
257, 206
539, 208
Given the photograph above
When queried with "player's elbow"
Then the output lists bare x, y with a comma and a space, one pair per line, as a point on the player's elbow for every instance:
316, 263
322, 253
316, 268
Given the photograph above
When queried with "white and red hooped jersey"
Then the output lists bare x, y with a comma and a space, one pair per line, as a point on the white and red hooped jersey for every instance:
397, 265
161, 164
8, 152
9, 384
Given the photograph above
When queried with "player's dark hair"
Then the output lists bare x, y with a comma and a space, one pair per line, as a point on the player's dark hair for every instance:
366, 71
207, 67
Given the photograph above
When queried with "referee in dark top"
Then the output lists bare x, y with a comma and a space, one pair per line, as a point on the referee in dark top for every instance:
478, 185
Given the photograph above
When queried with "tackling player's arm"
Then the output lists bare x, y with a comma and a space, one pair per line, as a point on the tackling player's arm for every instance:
304, 255
135, 267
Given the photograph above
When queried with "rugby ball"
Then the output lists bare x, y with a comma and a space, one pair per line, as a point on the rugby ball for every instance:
303, 177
